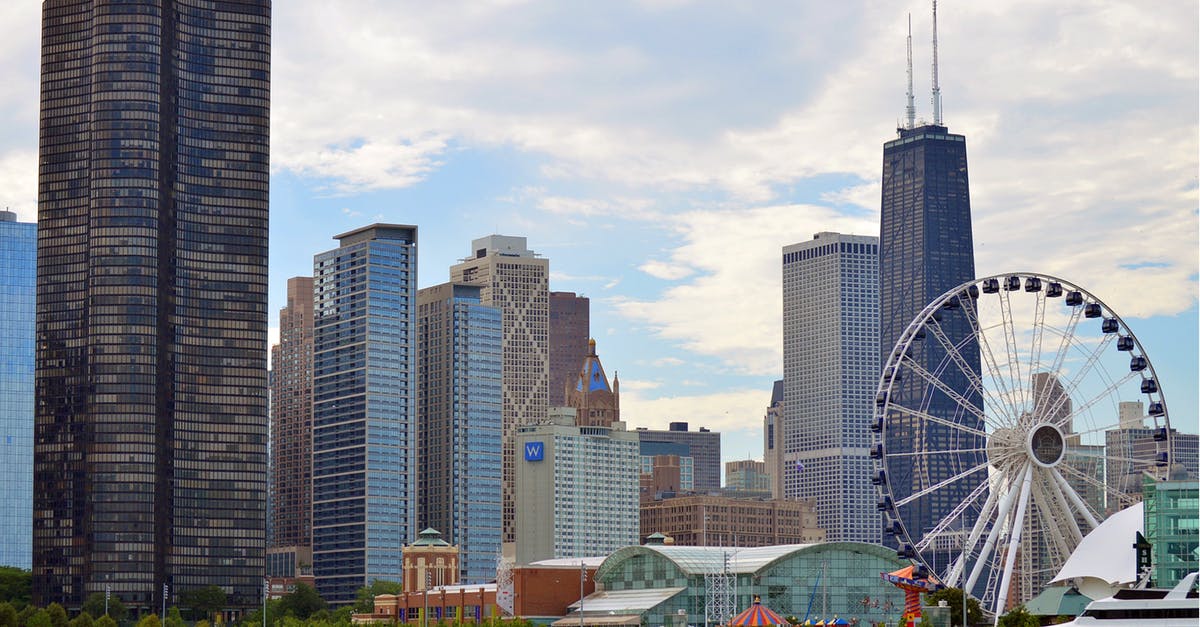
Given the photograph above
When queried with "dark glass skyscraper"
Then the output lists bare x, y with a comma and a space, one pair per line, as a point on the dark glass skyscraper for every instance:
151, 405
925, 249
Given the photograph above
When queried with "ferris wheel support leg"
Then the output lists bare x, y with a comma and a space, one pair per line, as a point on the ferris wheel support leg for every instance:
1074, 498
986, 552
1013, 543
960, 565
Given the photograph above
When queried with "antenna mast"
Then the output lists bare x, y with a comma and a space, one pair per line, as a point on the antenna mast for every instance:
910, 112
937, 91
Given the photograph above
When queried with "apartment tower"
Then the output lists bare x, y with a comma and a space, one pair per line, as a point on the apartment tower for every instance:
290, 514
516, 281
459, 364
569, 335
364, 408
150, 454
18, 262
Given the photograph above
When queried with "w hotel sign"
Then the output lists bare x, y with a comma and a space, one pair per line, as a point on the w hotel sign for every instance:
534, 451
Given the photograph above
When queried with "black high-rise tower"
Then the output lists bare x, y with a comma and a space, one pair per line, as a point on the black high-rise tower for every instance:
925, 250
151, 405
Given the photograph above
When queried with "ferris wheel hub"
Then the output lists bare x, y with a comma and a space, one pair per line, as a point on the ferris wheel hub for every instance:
1045, 445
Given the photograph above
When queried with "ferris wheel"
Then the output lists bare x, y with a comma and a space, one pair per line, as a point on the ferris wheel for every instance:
1015, 413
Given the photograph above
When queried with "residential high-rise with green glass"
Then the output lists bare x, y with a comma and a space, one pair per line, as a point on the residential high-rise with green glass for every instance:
151, 407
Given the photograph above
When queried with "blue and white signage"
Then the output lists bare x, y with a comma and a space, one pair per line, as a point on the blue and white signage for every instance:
534, 451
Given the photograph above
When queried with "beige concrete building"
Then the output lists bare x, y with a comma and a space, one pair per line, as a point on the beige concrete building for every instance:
576, 489
517, 281
706, 520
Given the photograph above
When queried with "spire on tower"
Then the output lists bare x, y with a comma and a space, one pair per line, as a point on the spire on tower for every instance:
910, 111
937, 91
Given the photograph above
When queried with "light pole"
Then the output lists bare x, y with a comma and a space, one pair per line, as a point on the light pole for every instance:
425, 598
266, 591
582, 578
164, 602
107, 593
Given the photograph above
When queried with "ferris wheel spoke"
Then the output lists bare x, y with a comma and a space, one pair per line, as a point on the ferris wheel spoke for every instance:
1092, 359
941, 386
976, 384
934, 419
1082, 507
989, 545
1054, 512
1039, 327
1065, 338
1014, 539
954, 514
977, 530
1011, 351
1105, 394
1069, 508
993, 366
947, 451
943, 483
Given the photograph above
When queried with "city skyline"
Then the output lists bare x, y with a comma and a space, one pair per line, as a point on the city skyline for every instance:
629, 146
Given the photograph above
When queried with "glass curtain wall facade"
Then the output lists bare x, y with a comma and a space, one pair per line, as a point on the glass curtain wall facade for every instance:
459, 363
364, 407
151, 385
18, 261
830, 373
925, 249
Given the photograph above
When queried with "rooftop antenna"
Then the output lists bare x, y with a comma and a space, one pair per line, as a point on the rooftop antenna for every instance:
910, 112
937, 91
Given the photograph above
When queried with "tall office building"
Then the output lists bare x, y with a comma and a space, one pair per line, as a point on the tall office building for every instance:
747, 475
704, 447
516, 281
569, 334
18, 259
290, 512
364, 408
151, 388
773, 439
830, 373
926, 249
577, 489
459, 430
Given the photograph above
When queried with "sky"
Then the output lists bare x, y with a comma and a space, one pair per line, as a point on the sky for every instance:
660, 153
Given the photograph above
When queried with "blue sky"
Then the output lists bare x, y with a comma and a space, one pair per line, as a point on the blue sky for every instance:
660, 153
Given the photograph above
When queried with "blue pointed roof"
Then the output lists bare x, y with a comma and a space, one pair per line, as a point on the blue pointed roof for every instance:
591, 376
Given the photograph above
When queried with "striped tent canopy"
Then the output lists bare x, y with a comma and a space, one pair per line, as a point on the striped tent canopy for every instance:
757, 615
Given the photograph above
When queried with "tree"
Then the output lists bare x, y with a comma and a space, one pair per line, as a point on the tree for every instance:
8, 615
149, 620
366, 594
25, 614
302, 602
174, 618
16, 586
94, 605
105, 621
83, 620
953, 598
1018, 617
40, 618
58, 615
204, 602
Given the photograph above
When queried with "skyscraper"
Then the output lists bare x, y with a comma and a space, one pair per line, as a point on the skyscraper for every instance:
569, 334
925, 249
364, 408
830, 372
151, 405
291, 435
515, 280
18, 255
459, 432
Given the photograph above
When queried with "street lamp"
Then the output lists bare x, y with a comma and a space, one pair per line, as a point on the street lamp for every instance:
425, 597
582, 578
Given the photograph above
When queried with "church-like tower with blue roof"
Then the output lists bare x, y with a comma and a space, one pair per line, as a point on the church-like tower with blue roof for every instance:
596, 403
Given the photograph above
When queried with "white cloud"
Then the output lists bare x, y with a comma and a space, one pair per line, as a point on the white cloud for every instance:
665, 271
726, 411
